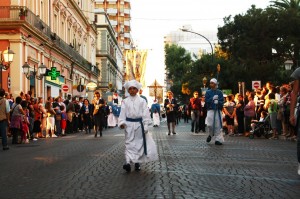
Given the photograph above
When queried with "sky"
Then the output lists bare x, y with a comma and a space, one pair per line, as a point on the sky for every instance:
153, 19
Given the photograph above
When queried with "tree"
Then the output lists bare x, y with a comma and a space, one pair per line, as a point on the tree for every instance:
251, 39
289, 17
287, 5
178, 62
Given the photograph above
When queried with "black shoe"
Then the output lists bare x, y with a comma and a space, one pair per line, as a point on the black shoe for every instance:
174, 133
169, 133
5, 148
100, 133
95, 135
127, 167
208, 139
218, 143
137, 166
192, 130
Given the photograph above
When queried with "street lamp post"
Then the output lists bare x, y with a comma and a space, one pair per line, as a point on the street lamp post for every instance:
34, 74
212, 50
288, 64
6, 56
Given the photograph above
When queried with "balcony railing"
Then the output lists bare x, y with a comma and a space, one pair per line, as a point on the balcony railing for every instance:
21, 13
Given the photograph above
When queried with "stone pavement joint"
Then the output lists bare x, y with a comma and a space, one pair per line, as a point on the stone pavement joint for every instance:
81, 166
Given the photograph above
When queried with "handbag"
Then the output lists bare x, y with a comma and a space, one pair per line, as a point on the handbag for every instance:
11, 112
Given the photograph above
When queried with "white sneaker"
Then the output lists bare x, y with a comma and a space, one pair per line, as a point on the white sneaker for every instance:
299, 169
47, 136
34, 139
27, 141
54, 136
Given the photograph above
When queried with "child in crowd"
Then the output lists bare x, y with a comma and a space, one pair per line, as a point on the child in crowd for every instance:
263, 116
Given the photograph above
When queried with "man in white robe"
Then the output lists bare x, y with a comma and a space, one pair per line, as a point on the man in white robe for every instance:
214, 102
134, 118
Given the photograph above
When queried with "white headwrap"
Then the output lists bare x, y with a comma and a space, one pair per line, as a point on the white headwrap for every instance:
133, 83
214, 80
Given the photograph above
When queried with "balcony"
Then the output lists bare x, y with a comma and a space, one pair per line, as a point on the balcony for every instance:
112, 11
127, 47
112, 1
127, 35
22, 14
127, 23
98, 10
127, 11
99, 1
113, 22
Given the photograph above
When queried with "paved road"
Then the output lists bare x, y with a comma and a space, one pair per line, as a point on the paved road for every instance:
80, 166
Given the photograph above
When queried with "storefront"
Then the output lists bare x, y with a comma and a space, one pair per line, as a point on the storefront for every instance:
53, 87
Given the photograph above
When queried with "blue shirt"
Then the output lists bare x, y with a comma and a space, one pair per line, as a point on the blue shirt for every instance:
155, 106
209, 102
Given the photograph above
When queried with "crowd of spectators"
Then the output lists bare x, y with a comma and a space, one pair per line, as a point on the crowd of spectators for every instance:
35, 118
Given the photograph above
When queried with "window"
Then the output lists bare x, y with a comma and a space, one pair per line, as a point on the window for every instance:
69, 36
42, 11
63, 31
55, 22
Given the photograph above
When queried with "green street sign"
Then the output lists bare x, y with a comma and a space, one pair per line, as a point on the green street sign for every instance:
53, 73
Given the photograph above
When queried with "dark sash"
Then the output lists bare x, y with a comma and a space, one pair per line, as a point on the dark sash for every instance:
140, 120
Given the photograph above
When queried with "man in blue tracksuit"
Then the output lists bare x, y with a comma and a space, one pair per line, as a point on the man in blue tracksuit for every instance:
214, 102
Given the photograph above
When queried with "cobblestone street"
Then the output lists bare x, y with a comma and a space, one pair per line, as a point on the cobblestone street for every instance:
81, 166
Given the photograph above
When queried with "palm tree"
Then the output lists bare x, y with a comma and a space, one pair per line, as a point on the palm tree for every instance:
292, 9
289, 5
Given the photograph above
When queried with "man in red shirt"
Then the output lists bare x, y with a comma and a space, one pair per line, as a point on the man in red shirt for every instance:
195, 110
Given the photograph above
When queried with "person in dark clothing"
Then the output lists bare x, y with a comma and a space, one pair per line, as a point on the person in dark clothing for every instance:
202, 117
76, 115
171, 106
240, 114
185, 113
98, 113
86, 113
69, 111
80, 124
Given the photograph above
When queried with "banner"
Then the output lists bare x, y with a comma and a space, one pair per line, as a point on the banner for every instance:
156, 90
136, 65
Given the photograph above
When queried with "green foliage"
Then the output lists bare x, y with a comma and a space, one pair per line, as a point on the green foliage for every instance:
249, 42
251, 39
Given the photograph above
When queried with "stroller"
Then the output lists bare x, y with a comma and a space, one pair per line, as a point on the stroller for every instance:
262, 128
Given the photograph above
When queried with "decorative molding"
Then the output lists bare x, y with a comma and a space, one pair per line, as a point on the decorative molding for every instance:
35, 61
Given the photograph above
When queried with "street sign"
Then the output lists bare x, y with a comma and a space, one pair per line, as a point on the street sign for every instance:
256, 84
80, 88
65, 88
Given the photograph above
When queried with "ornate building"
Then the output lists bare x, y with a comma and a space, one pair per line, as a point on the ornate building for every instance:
56, 33
108, 54
119, 13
